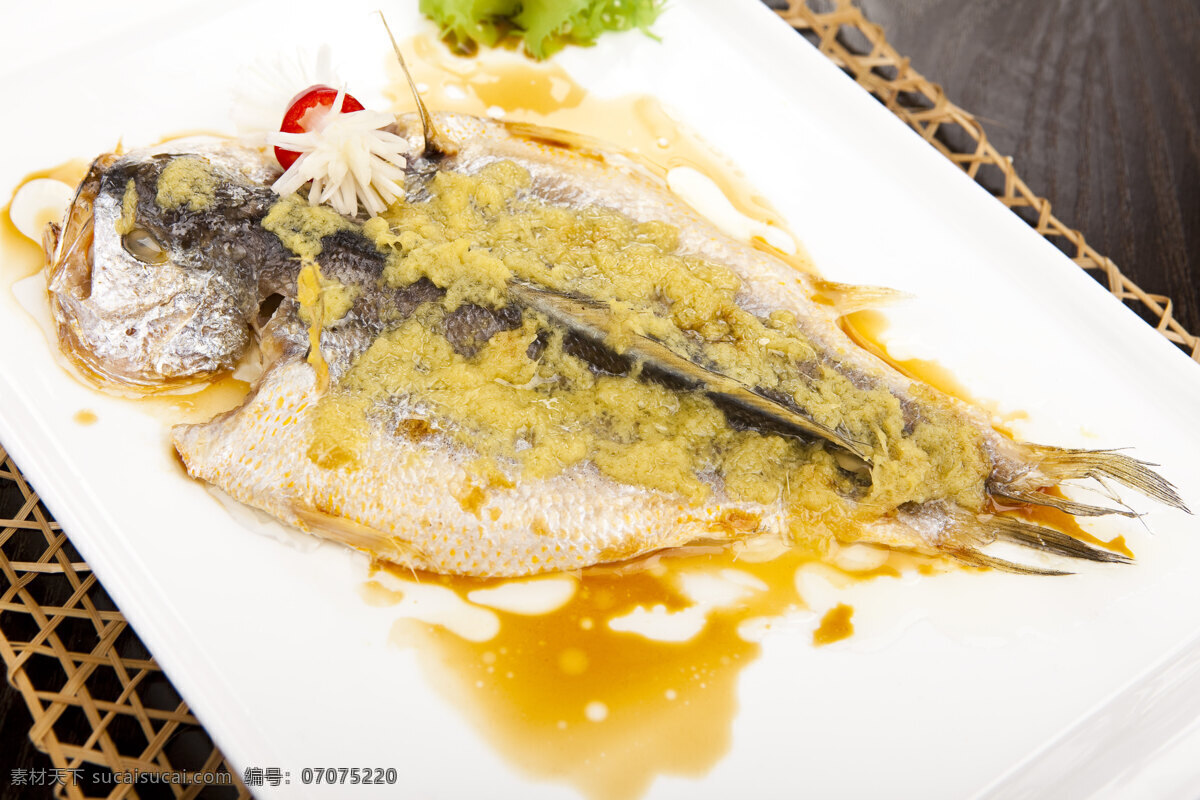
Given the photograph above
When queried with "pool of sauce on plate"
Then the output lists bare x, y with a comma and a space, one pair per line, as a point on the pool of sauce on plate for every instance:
563, 696
215, 397
866, 329
20, 257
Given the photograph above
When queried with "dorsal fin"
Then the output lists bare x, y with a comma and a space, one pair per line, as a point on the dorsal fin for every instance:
435, 143
847, 298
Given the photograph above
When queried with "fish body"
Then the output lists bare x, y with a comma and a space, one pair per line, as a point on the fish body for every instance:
460, 385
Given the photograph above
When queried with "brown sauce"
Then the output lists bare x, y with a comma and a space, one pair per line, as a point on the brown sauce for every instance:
835, 625
1062, 521
566, 697
216, 397
866, 327
19, 257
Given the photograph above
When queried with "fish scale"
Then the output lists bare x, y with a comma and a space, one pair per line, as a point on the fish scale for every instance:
406, 502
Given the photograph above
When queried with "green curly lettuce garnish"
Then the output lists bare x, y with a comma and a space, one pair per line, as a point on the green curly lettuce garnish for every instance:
543, 26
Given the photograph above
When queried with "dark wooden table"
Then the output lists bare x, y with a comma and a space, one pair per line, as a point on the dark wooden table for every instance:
1096, 102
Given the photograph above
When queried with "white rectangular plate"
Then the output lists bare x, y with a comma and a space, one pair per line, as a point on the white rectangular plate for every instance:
959, 685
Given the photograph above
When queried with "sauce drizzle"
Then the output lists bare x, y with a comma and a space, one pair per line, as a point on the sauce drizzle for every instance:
575, 695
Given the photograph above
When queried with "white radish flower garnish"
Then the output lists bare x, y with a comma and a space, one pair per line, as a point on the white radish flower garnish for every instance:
328, 138
269, 84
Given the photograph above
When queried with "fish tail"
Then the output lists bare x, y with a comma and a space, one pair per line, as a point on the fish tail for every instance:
1057, 465
965, 535
976, 558
1064, 504
981, 530
996, 541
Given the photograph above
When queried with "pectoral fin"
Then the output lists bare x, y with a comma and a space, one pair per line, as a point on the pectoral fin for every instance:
594, 321
361, 537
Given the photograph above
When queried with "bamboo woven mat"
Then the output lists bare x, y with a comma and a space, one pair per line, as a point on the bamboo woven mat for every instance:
102, 706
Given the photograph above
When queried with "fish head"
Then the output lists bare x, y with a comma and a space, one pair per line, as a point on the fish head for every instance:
152, 279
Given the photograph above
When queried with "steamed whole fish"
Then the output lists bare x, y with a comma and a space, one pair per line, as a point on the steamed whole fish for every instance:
539, 359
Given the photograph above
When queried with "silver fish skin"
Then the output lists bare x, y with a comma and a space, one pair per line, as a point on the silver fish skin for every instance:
193, 315
171, 301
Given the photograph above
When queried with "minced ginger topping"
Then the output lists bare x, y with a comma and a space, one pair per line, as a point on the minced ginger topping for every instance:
530, 408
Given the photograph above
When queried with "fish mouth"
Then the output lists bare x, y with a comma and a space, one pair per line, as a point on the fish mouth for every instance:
69, 264
69, 276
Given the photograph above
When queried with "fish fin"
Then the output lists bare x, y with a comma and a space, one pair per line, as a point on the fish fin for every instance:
1059, 464
578, 143
1025, 534
976, 558
434, 141
594, 321
360, 537
846, 298
50, 239
965, 535
1075, 509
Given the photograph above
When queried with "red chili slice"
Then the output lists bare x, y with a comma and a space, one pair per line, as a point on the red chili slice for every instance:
305, 110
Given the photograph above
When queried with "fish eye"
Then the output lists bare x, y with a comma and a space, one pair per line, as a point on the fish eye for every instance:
141, 244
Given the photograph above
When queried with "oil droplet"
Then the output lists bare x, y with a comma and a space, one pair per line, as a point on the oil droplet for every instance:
85, 416
596, 711
835, 625
573, 661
